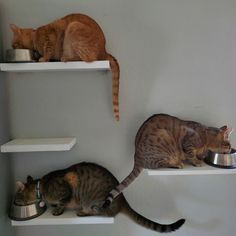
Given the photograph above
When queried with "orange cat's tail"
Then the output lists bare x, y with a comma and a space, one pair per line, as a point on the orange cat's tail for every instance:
115, 70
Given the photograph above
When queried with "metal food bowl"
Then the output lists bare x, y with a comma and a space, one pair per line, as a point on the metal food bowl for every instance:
222, 160
19, 55
28, 212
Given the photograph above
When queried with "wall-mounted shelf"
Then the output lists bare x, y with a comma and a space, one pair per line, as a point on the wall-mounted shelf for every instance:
191, 170
39, 144
67, 218
54, 66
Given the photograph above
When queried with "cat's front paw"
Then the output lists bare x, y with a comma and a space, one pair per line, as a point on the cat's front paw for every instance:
180, 165
42, 59
64, 59
58, 211
197, 163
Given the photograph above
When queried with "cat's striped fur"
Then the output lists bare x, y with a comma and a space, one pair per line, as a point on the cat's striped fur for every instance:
83, 188
166, 141
74, 37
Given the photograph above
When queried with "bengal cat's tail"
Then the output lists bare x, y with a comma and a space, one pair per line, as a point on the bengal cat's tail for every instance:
115, 70
124, 184
143, 221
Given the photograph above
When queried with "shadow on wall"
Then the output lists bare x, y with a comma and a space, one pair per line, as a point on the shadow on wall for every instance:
5, 166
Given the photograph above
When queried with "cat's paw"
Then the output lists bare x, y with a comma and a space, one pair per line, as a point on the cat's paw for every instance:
197, 163
42, 59
106, 204
58, 211
64, 59
180, 165
108, 201
81, 214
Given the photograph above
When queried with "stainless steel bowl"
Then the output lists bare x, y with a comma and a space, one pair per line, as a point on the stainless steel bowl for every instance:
21, 213
19, 55
222, 160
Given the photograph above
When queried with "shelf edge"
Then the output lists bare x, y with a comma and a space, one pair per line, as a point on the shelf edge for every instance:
12, 148
54, 66
204, 170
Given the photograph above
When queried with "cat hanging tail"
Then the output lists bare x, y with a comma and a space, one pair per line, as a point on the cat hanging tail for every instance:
143, 221
115, 70
124, 184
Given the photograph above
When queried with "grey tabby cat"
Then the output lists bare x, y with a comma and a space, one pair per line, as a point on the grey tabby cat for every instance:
166, 141
83, 187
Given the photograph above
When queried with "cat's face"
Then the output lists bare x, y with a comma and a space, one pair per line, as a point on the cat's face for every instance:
22, 38
219, 139
26, 192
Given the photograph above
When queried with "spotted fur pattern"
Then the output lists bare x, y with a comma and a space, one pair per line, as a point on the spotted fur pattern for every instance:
166, 141
72, 38
83, 187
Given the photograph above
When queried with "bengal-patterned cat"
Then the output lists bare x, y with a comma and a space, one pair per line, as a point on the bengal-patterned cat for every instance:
72, 38
166, 141
83, 187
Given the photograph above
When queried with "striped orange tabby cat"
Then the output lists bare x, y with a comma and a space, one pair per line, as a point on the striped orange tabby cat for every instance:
83, 187
72, 38
166, 141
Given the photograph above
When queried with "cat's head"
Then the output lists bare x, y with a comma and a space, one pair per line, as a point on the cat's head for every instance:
25, 192
218, 139
22, 38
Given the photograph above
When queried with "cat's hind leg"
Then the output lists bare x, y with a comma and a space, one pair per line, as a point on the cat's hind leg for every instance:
89, 211
161, 150
80, 212
170, 161
81, 43
176, 164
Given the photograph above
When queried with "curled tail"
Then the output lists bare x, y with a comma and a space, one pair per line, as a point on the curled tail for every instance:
115, 70
124, 184
143, 221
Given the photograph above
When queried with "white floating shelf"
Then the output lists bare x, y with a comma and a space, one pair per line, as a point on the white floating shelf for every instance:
191, 170
39, 145
54, 66
67, 218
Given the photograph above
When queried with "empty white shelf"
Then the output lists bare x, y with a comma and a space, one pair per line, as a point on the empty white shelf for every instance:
67, 218
191, 170
39, 144
54, 66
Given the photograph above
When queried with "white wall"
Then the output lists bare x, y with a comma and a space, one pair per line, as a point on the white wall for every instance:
177, 57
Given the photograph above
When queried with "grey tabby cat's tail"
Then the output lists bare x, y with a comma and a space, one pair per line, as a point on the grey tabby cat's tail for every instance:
143, 221
124, 184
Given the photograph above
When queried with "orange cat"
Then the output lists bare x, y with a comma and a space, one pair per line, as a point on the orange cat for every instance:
72, 38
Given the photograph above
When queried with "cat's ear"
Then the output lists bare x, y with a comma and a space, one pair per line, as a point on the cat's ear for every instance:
30, 179
227, 131
224, 128
20, 186
15, 29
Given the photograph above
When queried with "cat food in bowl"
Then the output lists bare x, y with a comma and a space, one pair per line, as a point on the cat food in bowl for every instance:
19, 55
222, 160
27, 212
